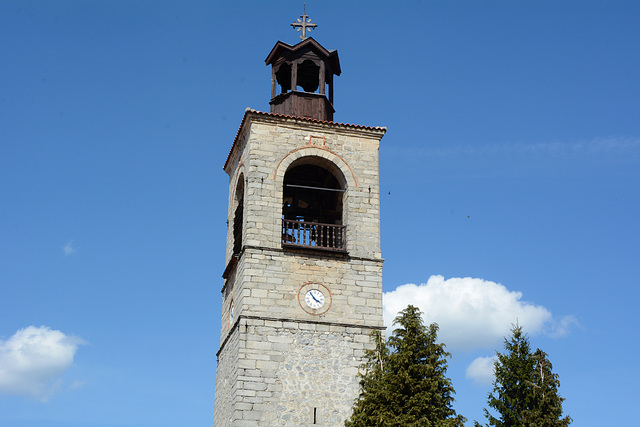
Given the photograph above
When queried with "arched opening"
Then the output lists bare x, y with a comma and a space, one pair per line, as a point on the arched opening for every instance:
238, 216
308, 76
312, 194
312, 202
283, 77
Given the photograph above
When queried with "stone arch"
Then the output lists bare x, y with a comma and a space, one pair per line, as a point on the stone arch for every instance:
238, 213
313, 184
331, 157
312, 191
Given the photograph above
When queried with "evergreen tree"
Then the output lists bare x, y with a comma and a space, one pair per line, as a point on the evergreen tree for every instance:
547, 411
406, 387
525, 391
372, 407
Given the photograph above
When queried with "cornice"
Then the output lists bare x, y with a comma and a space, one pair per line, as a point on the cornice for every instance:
309, 123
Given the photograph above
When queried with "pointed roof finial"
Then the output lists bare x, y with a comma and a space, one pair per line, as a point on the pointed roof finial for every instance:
305, 23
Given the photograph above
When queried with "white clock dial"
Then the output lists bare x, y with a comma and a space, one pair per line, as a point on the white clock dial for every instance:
314, 299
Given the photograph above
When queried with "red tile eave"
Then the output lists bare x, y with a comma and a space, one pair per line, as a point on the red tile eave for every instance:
306, 119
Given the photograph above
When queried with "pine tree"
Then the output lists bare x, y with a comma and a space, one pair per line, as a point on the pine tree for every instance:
525, 391
406, 387
547, 410
371, 408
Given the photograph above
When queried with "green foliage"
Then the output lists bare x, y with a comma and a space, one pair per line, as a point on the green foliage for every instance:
547, 411
407, 386
525, 391
371, 408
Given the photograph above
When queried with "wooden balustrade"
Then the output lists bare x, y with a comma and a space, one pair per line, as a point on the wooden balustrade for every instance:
314, 235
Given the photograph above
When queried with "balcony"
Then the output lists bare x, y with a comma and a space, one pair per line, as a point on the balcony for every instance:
313, 235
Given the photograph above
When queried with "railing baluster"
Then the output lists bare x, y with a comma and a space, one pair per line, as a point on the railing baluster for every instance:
314, 235
334, 232
332, 241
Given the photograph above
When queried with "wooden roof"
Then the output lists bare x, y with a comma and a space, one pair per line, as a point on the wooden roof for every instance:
282, 49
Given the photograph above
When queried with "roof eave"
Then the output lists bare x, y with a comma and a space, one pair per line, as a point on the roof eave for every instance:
256, 113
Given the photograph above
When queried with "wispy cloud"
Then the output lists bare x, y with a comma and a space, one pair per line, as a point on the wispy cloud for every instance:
76, 384
481, 371
548, 149
33, 359
68, 248
575, 148
563, 326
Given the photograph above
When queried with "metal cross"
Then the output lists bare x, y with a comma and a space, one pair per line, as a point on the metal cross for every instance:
305, 24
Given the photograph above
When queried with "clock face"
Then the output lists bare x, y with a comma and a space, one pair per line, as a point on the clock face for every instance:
314, 298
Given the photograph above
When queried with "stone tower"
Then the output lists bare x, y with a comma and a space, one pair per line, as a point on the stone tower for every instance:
303, 278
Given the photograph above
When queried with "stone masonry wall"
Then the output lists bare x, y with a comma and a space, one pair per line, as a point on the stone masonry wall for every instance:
295, 373
226, 380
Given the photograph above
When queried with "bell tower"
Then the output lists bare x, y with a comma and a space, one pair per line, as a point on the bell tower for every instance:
307, 66
303, 273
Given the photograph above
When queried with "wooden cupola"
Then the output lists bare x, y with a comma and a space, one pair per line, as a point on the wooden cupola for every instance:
304, 73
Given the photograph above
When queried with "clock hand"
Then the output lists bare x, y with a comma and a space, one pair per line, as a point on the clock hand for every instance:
315, 299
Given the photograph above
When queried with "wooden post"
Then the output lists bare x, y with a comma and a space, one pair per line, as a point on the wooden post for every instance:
273, 82
294, 75
321, 83
331, 90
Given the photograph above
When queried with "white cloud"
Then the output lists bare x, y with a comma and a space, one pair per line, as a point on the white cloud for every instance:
481, 370
68, 248
32, 360
472, 313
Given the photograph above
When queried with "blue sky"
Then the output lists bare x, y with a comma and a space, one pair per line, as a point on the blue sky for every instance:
509, 177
